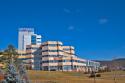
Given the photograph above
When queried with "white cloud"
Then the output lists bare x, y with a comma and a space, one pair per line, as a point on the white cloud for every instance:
71, 28
71, 11
103, 20
67, 10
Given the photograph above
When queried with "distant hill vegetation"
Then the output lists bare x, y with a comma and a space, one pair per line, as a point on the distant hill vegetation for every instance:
116, 62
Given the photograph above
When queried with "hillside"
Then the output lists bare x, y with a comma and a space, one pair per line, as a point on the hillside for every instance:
116, 62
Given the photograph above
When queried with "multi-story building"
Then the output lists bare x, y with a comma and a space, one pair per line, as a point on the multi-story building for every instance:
54, 56
35, 39
24, 37
27, 37
92, 66
57, 57
31, 57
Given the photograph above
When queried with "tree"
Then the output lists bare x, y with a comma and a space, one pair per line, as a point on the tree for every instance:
1, 57
10, 54
1, 53
15, 71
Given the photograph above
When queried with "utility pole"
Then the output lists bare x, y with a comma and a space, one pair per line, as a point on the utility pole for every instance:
114, 64
58, 54
71, 58
94, 77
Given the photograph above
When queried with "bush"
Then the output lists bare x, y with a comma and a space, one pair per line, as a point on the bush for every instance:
123, 69
86, 73
98, 75
92, 75
53, 70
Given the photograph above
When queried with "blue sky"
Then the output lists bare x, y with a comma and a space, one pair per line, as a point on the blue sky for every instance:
95, 27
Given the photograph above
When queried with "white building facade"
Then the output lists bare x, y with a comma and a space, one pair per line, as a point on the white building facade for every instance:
54, 56
50, 55
26, 37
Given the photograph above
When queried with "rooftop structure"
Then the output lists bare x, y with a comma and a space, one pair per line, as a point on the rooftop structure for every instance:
26, 36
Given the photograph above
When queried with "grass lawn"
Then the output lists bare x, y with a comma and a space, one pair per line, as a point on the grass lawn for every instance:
73, 77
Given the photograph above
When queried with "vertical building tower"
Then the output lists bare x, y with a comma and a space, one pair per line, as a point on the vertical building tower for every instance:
27, 37
24, 37
36, 39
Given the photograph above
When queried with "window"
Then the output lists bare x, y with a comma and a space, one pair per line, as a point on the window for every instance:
33, 39
67, 68
52, 51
